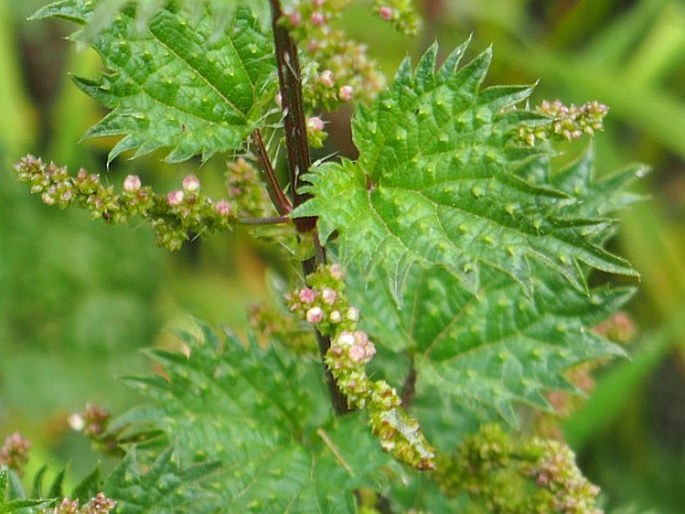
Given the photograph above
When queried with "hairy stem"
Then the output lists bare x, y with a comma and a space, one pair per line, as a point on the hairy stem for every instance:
299, 162
278, 197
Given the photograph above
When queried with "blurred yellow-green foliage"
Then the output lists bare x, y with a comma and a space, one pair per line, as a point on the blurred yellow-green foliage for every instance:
79, 298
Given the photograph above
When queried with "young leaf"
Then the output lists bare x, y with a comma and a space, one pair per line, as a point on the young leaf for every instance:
265, 417
175, 84
440, 181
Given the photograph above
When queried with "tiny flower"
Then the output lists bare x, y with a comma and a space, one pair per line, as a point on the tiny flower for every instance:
191, 184
335, 317
345, 339
315, 123
314, 315
317, 3
317, 18
295, 18
385, 12
357, 353
345, 93
278, 99
307, 295
175, 198
222, 208
76, 422
327, 78
132, 183
47, 199
336, 272
329, 296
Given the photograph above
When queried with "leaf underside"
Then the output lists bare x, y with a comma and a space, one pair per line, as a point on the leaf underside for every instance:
440, 180
264, 417
175, 83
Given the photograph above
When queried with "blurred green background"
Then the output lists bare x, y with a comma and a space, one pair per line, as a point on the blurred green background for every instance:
79, 298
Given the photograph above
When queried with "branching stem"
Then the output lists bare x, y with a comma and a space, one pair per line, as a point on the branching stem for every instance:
299, 162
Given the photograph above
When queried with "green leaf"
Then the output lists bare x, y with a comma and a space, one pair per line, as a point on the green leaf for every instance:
265, 416
175, 84
489, 351
159, 486
8, 500
440, 180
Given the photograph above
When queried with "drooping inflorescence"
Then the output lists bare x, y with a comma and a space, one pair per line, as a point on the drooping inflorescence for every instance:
175, 217
517, 476
324, 305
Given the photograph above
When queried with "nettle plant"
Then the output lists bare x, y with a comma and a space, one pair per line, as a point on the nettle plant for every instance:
442, 274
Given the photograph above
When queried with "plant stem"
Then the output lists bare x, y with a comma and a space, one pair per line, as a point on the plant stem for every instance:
299, 162
278, 198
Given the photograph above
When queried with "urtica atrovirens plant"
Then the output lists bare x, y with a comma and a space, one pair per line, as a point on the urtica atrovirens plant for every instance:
443, 288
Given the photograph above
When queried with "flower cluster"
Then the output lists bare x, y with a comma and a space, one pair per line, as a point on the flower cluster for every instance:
99, 504
565, 122
175, 217
324, 305
400, 13
517, 476
245, 190
15, 452
335, 69
94, 422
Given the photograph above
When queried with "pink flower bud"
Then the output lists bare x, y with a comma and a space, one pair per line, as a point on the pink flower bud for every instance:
222, 208
191, 184
357, 353
317, 18
345, 93
314, 315
317, 3
345, 339
329, 296
175, 198
307, 295
295, 18
352, 314
336, 272
385, 12
327, 78
132, 183
315, 123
